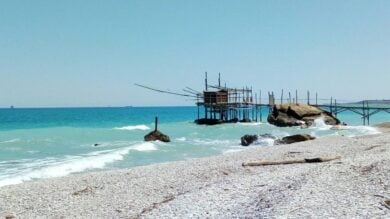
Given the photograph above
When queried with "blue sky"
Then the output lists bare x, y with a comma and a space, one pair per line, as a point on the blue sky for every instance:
90, 53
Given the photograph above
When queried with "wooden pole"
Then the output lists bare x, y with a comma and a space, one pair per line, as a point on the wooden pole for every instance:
368, 113
205, 81
281, 98
331, 102
273, 97
308, 97
219, 80
261, 115
364, 114
257, 106
155, 123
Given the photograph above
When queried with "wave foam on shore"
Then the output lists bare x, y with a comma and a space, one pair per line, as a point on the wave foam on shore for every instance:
54, 167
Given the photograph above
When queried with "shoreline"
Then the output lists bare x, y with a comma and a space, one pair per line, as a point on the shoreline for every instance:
218, 186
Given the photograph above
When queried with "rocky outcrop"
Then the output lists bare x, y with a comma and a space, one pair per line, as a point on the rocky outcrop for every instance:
263, 139
247, 140
285, 115
295, 138
157, 135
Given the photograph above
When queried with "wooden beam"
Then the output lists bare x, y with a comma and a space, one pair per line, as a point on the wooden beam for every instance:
282, 162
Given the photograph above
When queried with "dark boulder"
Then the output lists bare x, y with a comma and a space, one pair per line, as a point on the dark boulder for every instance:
295, 138
247, 140
157, 135
285, 115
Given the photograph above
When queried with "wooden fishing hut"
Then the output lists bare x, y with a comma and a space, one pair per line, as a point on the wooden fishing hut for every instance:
222, 104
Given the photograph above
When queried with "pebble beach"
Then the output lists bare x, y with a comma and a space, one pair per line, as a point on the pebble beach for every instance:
355, 186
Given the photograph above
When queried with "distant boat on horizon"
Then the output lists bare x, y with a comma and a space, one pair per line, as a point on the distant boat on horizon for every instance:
12, 107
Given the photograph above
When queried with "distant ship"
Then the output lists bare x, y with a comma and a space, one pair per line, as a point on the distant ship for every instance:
11, 107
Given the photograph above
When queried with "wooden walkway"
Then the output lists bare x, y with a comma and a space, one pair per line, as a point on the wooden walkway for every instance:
363, 108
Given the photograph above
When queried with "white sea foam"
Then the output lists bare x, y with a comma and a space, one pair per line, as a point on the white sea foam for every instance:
50, 167
249, 123
359, 130
350, 131
146, 146
181, 139
213, 142
279, 133
73, 164
320, 124
133, 127
232, 151
265, 142
10, 141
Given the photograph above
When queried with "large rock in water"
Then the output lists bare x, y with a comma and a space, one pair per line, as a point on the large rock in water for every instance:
295, 138
156, 135
246, 140
284, 115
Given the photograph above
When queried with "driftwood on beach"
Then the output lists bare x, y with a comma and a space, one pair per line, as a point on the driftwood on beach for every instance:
282, 162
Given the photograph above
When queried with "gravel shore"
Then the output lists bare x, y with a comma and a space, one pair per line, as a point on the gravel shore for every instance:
355, 186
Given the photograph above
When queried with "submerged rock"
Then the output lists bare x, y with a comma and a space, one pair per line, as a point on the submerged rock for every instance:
157, 135
295, 138
247, 140
285, 115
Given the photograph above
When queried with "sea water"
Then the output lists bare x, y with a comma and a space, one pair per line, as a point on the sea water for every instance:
45, 143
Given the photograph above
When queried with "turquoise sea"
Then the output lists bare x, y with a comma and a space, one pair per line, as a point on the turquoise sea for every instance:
44, 143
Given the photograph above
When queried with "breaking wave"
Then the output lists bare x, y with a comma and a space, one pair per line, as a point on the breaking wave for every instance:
249, 123
133, 127
181, 139
147, 146
320, 124
359, 130
10, 141
349, 131
52, 167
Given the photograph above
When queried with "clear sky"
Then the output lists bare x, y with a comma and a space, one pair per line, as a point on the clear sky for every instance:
90, 53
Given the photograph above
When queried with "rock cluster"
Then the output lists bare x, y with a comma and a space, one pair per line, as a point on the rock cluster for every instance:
247, 140
295, 138
285, 115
